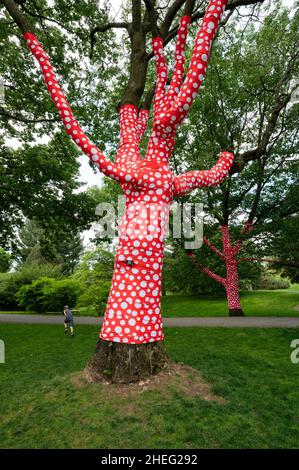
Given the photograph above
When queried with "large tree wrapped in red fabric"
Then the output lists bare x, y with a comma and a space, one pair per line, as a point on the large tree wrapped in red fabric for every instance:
131, 340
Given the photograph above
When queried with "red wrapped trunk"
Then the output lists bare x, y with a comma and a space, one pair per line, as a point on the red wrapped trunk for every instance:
133, 314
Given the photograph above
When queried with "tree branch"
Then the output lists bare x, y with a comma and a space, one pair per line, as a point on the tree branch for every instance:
46, 18
280, 103
71, 125
147, 102
200, 14
136, 14
179, 57
186, 182
248, 227
142, 121
258, 191
197, 66
206, 270
226, 189
213, 247
17, 16
169, 17
162, 74
150, 21
103, 29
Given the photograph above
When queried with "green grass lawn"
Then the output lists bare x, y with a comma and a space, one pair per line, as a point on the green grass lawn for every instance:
249, 368
278, 303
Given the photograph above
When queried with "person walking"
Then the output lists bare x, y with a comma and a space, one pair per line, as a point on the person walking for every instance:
68, 320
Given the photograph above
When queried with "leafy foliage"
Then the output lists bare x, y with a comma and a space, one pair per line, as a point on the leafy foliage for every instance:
11, 283
48, 294
5, 261
39, 182
246, 80
34, 244
95, 297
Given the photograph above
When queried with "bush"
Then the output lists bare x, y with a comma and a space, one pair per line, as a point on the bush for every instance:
31, 296
8, 290
48, 294
270, 282
11, 283
95, 296
61, 292
245, 284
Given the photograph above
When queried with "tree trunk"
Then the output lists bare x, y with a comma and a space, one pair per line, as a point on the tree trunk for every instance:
232, 289
131, 339
130, 347
236, 312
126, 363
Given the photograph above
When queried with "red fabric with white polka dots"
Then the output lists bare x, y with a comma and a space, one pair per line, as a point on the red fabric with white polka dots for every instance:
133, 313
71, 125
171, 116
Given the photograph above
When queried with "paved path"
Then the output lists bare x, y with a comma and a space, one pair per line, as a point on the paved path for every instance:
231, 322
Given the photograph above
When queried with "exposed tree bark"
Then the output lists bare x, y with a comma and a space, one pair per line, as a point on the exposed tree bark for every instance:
138, 29
17, 16
126, 363
136, 84
103, 29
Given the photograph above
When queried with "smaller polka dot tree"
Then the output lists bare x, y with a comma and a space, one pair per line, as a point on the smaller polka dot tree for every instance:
229, 256
133, 314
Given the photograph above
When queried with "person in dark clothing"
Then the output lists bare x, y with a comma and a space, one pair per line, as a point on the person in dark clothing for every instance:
68, 320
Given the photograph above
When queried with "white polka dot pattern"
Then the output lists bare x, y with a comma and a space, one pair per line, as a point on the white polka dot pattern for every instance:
173, 112
230, 251
133, 313
186, 182
71, 125
178, 74
229, 256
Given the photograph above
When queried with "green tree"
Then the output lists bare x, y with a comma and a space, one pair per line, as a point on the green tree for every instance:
37, 245
39, 182
5, 261
248, 107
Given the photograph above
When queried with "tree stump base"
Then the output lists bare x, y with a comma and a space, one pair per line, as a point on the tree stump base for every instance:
126, 363
236, 312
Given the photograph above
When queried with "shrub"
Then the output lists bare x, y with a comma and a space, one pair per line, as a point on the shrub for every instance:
270, 282
48, 294
31, 296
8, 290
95, 296
5, 261
11, 283
61, 292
